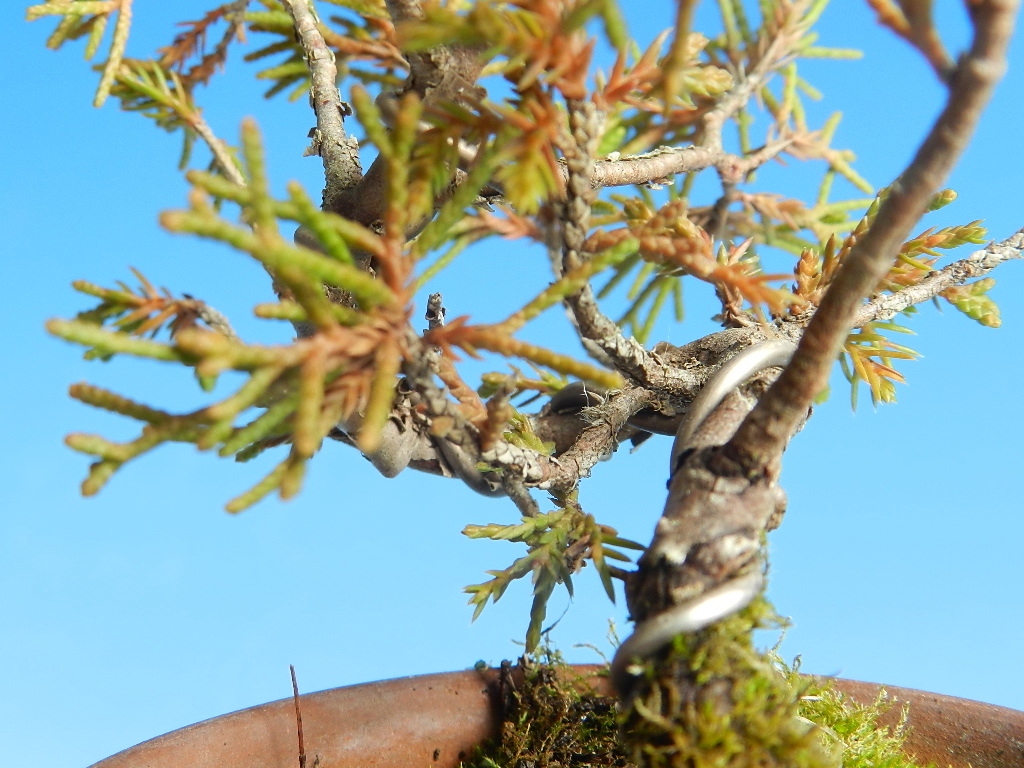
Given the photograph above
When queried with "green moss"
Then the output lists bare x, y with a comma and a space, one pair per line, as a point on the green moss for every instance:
865, 742
715, 702
552, 719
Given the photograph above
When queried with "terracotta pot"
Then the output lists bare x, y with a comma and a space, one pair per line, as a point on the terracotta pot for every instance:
431, 720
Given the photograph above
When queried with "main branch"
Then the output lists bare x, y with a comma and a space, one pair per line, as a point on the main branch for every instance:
763, 435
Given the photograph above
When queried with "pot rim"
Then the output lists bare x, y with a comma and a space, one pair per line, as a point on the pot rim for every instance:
437, 719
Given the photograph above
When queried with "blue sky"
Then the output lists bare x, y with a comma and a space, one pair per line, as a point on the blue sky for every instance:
148, 607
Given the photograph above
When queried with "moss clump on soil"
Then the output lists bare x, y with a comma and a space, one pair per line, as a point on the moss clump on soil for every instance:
865, 742
552, 718
774, 716
714, 701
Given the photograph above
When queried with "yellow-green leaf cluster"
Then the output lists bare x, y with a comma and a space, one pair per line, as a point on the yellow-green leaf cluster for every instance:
973, 300
349, 363
90, 17
559, 543
868, 356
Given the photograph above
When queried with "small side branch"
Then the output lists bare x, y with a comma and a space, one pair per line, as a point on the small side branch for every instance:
298, 718
215, 319
218, 148
340, 153
671, 161
978, 264
596, 442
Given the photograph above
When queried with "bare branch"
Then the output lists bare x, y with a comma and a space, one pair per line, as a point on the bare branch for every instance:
604, 336
520, 495
762, 437
445, 73
597, 441
976, 265
709, 152
298, 718
339, 151
627, 355
664, 162
913, 22
215, 319
678, 374
405, 10
217, 147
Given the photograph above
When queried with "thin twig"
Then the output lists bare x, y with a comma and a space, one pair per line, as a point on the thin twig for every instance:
976, 265
763, 435
214, 318
520, 495
435, 311
298, 718
218, 148
709, 152
913, 22
339, 151
664, 162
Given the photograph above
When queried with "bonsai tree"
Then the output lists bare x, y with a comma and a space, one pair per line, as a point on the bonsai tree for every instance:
633, 169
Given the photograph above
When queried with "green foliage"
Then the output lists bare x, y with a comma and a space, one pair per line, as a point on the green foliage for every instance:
147, 88
750, 716
865, 742
521, 435
90, 17
559, 543
452, 174
752, 710
290, 73
507, 30
973, 300
767, 220
295, 384
516, 382
300, 269
869, 355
